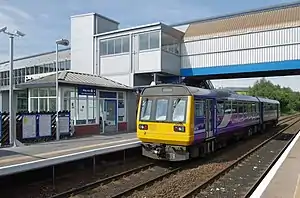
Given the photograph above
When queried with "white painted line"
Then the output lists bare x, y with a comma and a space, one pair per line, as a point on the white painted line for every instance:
265, 182
68, 155
296, 193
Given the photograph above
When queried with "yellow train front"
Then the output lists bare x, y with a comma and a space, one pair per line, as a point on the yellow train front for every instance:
165, 122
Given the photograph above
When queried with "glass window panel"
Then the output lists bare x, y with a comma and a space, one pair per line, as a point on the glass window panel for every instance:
41, 69
43, 92
110, 47
34, 104
154, 40
36, 69
23, 72
118, 45
179, 110
68, 64
52, 104
22, 104
43, 104
120, 95
52, 92
146, 109
31, 70
125, 44
144, 41
161, 109
103, 47
34, 92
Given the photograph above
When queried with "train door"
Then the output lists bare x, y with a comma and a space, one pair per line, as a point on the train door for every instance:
209, 118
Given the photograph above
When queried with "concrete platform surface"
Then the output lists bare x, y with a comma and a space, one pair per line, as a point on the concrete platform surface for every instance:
283, 180
24, 158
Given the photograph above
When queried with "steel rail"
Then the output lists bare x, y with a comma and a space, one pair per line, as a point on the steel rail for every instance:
221, 173
91, 185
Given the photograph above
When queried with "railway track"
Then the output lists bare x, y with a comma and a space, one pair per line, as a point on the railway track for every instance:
125, 183
242, 177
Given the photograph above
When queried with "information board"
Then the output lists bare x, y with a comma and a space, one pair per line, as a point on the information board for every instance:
44, 125
64, 124
29, 126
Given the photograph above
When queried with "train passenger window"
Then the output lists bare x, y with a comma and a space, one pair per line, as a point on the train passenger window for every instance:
161, 109
227, 107
179, 109
146, 109
199, 108
220, 107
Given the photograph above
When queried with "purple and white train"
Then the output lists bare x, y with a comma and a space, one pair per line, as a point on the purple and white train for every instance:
178, 122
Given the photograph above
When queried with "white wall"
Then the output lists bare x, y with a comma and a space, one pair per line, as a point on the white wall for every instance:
82, 32
115, 64
125, 79
170, 63
148, 61
83, 29
252, 56
276, 45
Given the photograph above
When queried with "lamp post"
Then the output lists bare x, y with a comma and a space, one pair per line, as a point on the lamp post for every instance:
12, 115
63, 42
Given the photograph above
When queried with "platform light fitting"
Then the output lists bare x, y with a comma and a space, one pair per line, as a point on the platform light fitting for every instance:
18, 33
63, 42
3, 29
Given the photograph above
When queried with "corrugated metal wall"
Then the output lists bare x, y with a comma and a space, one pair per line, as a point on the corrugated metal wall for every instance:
267, 46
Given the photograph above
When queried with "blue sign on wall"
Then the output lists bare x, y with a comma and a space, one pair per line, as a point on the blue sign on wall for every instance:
86, 91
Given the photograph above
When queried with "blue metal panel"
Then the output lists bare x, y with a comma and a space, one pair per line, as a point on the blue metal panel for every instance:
234, 69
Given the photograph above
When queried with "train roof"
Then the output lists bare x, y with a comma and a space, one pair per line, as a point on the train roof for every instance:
268, 100
236, 96
184, 90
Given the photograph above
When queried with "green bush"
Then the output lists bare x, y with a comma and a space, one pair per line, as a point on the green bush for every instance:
289, 99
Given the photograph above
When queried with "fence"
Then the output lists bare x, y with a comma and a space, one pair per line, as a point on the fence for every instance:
35, 126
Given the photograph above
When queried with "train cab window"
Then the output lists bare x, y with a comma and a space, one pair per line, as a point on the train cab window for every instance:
146, 109
161, 109
179, 109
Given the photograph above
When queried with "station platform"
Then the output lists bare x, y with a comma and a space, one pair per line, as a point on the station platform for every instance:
20, 159
283, 180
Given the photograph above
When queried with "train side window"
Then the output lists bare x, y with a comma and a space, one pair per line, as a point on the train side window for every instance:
234, 107
146, 109
161, 109
199, 108
220, 107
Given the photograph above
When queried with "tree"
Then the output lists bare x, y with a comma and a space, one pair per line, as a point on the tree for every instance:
289, 100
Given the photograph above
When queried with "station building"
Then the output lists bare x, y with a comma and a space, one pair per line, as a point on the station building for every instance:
136, 57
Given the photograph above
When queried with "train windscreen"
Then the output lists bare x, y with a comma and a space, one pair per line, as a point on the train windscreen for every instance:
163, 109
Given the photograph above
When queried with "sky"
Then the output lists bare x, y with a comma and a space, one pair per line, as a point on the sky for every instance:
44, 21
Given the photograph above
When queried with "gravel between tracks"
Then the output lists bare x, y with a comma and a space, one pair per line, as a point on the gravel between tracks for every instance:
239, 180
179, 183
78, 178
124, 183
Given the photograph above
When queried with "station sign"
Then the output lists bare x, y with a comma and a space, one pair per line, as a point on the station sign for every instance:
86, 91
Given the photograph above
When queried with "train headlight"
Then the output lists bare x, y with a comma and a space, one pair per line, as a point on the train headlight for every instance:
179, 128
143, 126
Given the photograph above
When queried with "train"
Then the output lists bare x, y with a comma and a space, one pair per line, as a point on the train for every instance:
176, 122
